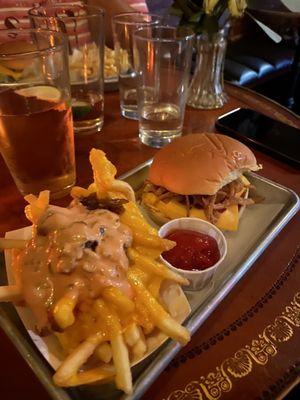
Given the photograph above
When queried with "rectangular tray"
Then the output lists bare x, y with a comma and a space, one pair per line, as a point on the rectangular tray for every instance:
244, 247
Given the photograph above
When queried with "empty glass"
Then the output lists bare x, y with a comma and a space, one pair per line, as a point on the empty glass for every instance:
162, 61
124, 25
84, 26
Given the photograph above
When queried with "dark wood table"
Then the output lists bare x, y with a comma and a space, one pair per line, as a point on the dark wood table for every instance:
249, 347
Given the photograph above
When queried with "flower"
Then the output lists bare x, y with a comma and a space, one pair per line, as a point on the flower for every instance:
206, 15
237, 7
209, 6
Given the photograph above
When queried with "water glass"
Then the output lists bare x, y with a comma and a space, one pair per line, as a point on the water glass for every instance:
85, 28
36, 127
124, 25
162, 60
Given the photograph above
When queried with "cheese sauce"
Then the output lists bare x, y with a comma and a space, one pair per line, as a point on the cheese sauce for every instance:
74, 250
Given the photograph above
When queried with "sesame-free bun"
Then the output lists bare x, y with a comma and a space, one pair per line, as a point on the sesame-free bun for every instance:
201, 163
13, 48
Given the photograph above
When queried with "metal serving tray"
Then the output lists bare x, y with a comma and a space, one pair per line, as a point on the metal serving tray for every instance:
244, 247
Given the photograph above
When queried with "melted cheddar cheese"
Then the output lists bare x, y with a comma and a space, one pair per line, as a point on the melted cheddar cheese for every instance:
228, 220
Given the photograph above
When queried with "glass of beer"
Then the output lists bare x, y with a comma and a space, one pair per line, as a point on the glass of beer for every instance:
84, 27
124, 25
36, 127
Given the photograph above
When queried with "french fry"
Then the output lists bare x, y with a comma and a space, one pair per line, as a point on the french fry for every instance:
143, 318
117, 298
63, 309
76, 359
154, 254
158, 315
104, 177
6, 244
139, 349
110, 68
153, 267
90, 376
144, 276
37, 206
136, 223
77, 192
10, 293
132, 334
104, 171
118, 347
104, 352
131, 208
139, 239
124, 188
154, 286
122, 364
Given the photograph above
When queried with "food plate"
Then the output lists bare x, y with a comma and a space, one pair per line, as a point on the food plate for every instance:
111, 79
244, 247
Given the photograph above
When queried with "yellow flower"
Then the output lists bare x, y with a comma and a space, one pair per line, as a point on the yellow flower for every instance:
237, 7
209, 6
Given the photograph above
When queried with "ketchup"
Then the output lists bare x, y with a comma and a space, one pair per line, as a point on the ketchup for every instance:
193, 251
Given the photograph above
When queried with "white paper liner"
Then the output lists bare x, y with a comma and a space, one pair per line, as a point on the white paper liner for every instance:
49, 346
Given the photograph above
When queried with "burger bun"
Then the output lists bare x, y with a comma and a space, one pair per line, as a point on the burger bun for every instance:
11, 48
201, 164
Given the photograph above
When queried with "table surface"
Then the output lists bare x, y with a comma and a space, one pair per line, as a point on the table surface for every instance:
275, 7
249, 347
274, 14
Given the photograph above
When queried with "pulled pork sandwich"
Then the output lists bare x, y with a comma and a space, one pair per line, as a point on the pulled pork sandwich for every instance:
200, 175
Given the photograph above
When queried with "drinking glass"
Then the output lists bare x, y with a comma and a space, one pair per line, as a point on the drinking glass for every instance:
162, 60
36, 127
124, 25
85, 29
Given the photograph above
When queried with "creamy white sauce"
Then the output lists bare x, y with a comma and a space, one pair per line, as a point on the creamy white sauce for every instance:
74, 249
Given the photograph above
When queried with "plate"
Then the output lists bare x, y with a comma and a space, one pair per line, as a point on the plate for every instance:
111, 79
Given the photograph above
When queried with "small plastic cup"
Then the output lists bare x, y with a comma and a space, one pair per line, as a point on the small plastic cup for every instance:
198, 279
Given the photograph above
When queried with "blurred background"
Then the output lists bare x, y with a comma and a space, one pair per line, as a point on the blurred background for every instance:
253, 59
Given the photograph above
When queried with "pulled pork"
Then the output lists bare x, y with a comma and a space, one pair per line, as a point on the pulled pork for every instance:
213, 205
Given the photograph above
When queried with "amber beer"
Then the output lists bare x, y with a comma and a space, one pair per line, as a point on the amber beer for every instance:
36, 139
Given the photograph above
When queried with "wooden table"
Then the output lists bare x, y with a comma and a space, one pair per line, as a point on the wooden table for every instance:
267, 299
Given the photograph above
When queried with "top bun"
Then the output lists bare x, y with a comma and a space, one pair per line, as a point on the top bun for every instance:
201, 163
16, 47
